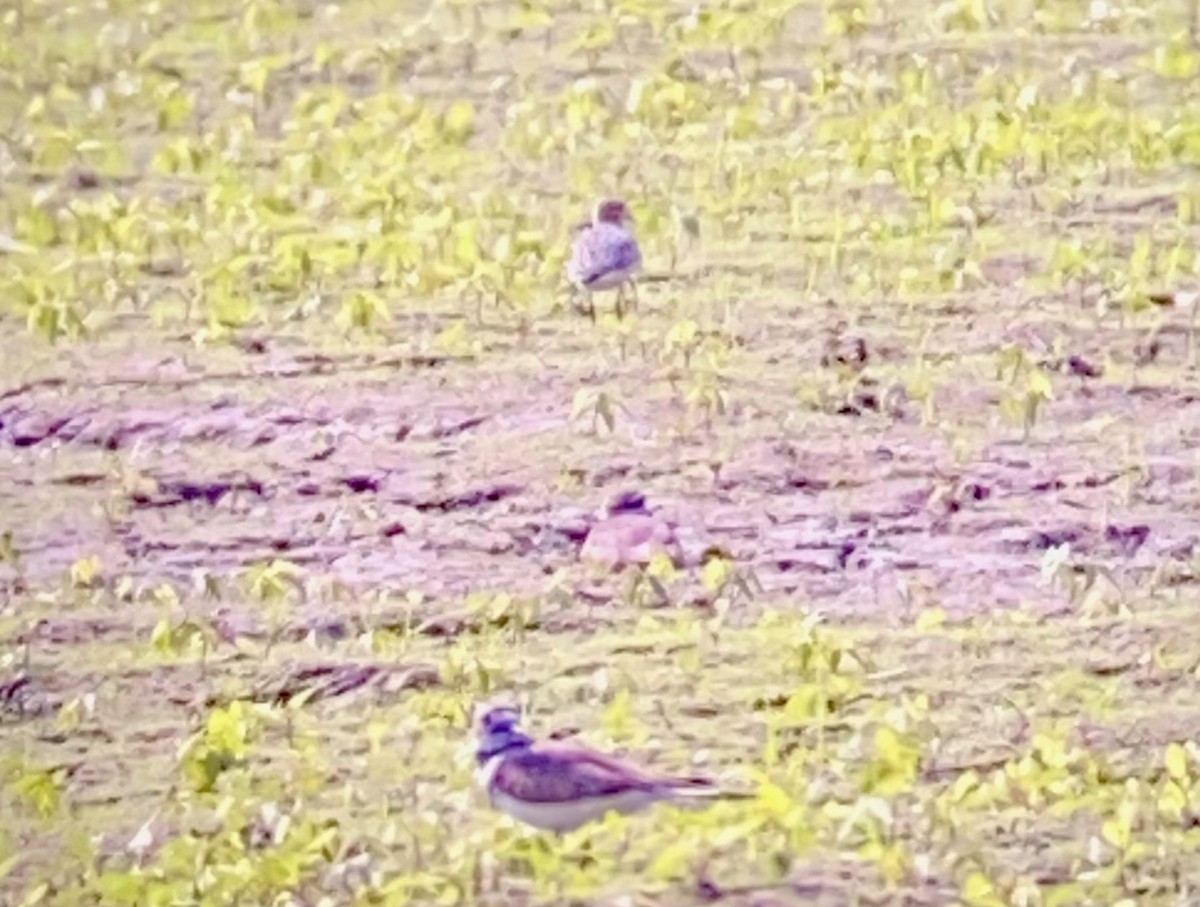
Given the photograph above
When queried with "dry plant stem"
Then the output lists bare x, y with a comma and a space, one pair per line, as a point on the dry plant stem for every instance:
1191, 344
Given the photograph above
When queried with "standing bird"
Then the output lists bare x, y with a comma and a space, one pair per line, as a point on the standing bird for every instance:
605, 255
630, 534
559, 787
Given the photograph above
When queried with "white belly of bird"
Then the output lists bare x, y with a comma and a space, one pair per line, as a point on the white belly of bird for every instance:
569, 815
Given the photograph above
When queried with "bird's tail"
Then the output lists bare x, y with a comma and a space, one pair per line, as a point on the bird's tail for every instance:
697, 789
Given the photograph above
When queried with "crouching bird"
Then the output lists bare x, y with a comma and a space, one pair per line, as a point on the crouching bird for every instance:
559, 787
630, 534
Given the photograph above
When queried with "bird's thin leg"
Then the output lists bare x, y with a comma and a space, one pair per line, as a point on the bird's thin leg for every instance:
626, 840
635, 586
591, 298
633, 293
620, 301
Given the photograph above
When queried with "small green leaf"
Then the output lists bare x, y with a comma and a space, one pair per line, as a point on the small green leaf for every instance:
930, 619
1177, 762
978, 891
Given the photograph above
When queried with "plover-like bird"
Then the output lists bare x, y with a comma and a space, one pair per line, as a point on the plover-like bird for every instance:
606, 256
559, 787
630, 534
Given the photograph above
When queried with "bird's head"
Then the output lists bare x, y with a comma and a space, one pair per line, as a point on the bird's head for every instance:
497, 730
611, 211
628, 501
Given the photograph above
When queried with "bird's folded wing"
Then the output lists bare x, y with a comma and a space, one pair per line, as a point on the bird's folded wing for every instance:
555, 774
603, 250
